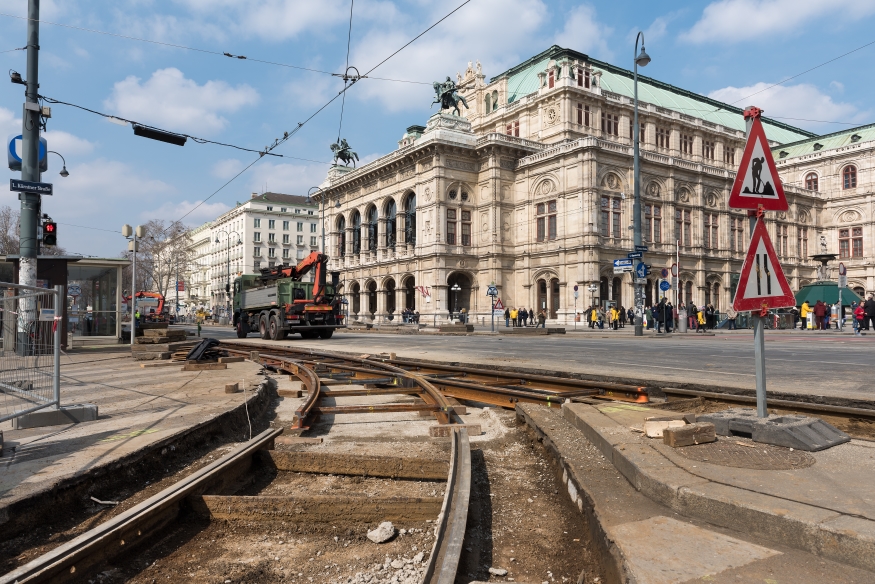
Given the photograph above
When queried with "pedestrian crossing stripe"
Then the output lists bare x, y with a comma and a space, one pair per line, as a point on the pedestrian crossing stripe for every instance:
762, 283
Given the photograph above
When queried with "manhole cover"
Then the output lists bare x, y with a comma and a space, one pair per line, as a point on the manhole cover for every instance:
748, 454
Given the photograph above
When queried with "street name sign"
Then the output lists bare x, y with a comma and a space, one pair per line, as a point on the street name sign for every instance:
623, 269
757, 182
640, 248
635, 255
24, 186
762, 283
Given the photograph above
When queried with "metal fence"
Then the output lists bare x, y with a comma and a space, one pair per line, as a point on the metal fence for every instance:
30, 349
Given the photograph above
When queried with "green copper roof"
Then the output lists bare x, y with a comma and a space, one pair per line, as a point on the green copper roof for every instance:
827, 142
826, 291
523, 79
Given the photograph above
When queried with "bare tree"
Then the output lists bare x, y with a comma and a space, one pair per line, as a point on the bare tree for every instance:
9, 230
165, 251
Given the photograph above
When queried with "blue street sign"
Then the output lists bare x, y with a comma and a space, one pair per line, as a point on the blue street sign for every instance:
492, 291
620, 263
664, 286
634, 255
13, 153
640, 248
641, 270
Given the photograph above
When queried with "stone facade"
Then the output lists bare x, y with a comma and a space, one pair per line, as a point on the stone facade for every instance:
532, 191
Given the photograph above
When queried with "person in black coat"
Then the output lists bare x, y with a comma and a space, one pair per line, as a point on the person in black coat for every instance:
868, 313
659, 315
524, 316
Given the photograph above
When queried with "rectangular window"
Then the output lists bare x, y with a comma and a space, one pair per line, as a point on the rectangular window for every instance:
286, 238
300, 240
256, 265
451, 226
683, 227
728, 154
257, 225
271, 224
709, 235
641, 133
653, 223
802, 242
708, 150
271, 252
516, 129
300, 226
662, 135
286, 252
686, 144
285, 225
271, 237
551, 79
583, 77
282, 209
313, 241
508, 129
610, 217
312, 228
583, 117
256, 237
735, 234
851, 242
256, 251
466, 228
857, 242
269, 208
610, 124
546, 220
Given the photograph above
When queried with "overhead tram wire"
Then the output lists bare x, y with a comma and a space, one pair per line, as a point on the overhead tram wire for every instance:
286, 135
199, 50
346, 71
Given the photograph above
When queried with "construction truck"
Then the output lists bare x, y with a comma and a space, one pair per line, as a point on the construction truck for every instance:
276, 303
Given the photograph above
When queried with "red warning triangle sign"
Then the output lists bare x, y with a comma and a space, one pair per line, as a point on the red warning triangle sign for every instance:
498, 305
757, 182
762, 282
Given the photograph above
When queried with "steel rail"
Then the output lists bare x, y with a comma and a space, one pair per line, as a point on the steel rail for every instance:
777, 403
120, 533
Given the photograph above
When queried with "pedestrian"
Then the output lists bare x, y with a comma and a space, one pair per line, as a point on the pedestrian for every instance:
630, 315
819, 312
795, 314
648, 314
601, 317
198, 328
524, 316
691, 315
700, 320
670, 315
593, 317
615, 318
731, 315
515, 317
622, 312
659, 315
542, 318
709, 316
869, 312
804, 311
674, 316
507, 317
859, 314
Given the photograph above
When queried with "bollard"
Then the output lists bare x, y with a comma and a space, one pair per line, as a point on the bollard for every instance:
683, 320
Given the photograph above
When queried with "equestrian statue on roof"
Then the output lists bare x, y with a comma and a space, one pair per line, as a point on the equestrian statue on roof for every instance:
344, 153
446, 96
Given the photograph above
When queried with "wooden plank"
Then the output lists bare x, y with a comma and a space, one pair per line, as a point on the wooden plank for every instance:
204, 366
231, 359
295, 440
698, 433
360, 465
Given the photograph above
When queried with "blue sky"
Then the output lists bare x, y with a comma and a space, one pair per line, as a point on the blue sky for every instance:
727, 49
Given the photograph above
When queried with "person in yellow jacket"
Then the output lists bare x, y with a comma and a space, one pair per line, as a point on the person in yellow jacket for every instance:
803, 313
700, 317
615, 318
515, 316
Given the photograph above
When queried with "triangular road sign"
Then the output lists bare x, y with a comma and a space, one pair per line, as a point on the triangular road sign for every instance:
757, 182
762, 282
498, 305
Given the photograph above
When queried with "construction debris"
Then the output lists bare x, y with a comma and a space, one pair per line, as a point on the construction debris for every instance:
690, 434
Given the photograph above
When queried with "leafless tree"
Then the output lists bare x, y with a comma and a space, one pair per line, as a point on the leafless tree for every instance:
164, 252
9, 235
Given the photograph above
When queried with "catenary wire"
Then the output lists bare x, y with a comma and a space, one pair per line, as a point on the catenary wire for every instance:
345, 71
10, 50
199, 50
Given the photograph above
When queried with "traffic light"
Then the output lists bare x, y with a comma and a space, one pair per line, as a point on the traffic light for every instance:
50, 233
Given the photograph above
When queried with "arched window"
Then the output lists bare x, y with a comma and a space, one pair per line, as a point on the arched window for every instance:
391, 214
811, 181
410, 219
849, 177
715, 295
341, 236
488, 103
688, 292
494, 100
372, 229
356, 232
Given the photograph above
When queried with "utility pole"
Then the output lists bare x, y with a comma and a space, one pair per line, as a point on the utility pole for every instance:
30, 202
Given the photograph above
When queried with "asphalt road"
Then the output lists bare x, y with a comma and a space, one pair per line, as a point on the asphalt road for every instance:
802, 362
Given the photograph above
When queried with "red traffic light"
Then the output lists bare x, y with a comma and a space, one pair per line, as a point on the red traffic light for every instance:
50, 233
49, 227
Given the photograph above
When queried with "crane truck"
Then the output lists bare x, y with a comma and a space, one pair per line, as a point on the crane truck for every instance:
276, 303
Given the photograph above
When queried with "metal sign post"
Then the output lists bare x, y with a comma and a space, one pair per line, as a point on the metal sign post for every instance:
492, 292
843, 281
576, 294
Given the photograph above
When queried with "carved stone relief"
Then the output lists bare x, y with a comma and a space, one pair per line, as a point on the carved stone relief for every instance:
849, 216
612, 181
653, 189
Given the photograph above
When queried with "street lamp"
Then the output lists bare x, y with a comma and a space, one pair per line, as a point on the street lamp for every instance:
132, 234
63, 172
228, 265
455, 290
641, 59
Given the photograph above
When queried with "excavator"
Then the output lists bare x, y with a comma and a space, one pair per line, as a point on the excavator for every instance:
277, 303
150, 305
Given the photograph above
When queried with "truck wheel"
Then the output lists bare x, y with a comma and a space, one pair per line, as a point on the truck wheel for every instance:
263, 327
275, 329
242, 328
326, 334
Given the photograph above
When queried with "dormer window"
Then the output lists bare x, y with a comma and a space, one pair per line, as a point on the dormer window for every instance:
818, 145
856, 138
551, 79
783, 154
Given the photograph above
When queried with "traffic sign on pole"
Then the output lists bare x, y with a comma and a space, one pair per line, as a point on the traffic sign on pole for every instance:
499, 305
622, 262
674, 269
640, 248
664, 286
635, 255
641, 270
757, 182
762, 284
663, 273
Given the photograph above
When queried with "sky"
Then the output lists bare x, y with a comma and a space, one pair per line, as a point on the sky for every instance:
727, 49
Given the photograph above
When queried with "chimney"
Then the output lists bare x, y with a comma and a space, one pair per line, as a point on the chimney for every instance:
254, 195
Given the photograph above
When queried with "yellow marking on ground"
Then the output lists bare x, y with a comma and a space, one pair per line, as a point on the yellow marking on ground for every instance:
133, 434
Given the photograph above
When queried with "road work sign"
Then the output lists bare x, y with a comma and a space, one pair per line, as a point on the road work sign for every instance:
757, 183
762, 283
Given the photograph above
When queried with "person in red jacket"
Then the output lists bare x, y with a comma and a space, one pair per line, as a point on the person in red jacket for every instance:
859, 313
819, 312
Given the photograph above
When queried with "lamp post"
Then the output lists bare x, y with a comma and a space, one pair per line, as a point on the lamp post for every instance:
642, 59
228, 266
63, 172
132, 234
455, 290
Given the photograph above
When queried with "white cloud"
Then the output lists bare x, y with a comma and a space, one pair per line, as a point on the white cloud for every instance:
9, 124
286, 178
744, 20
173, 210
68, 145
445, 49
225, 169
838, 86
584, 33
173, 102
794, 104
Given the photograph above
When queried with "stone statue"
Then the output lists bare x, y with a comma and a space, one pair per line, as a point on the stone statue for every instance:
823, 244
344, 153
479, 68
446, 96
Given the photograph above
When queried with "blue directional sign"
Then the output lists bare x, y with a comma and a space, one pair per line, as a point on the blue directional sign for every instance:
640, 248
621, 263
492, 291
634, 255
641, 270
664, 286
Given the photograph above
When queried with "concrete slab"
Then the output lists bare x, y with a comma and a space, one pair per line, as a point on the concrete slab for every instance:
662, 550
66, 414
